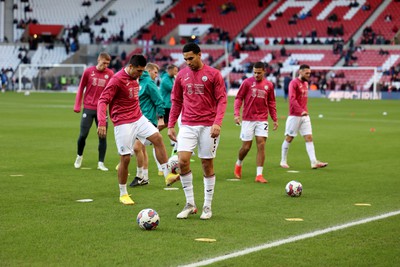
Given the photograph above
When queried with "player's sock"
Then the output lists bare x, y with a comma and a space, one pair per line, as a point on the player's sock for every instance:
139, 172
122, 190
187, 186
311, 151
259, 170
239, 162
146, 174
155, 159
209, 185
164, 168
285, 150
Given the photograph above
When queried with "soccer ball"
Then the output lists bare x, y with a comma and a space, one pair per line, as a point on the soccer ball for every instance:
294, 189
173, 164
148, 219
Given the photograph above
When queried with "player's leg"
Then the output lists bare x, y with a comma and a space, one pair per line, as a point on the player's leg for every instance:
306, 131
260, 141
292, 127
187, 141
207, 151
102, 148
246, 135
138, 149
146, 130
160, 172
86, 124
124, 136
261, 134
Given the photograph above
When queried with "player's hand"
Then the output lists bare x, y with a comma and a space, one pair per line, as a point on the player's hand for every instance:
304, 113
161, 123
237, 120
172, 134
275, 125
215, 130
76, 110
102, 131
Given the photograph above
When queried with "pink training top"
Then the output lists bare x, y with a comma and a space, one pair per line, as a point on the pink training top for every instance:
121, 94
258, 99
298, 96
94, 81
200, 96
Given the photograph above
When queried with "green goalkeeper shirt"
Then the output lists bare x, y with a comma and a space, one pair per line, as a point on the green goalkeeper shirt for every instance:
151, 103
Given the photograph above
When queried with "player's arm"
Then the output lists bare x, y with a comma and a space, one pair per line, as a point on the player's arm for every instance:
176, 107
221, 100
238, 102
79, 93
272, 107
105, 98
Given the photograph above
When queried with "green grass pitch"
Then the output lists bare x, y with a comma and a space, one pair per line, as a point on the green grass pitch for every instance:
41, 224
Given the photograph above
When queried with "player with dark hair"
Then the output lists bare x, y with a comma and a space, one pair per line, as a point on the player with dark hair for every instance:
258, 98
298, 120
199, 94
93, 82
152, 106
121, 94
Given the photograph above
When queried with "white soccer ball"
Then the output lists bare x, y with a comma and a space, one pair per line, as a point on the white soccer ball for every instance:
294, 189
173, 164
148, 219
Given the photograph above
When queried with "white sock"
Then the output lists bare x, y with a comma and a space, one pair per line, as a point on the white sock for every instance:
311, 151
122, 190
164, 168
209, 185
285, 150
146, 174
239, 162
259, 170
187, 185
155, 159
139, 172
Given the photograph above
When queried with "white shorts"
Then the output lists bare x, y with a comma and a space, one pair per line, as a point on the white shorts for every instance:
126, 134
253, 128
191, 136
295, 124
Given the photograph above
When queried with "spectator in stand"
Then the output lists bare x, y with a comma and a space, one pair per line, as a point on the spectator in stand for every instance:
258, 98
366, 6
286, 81
388, 18
92, 84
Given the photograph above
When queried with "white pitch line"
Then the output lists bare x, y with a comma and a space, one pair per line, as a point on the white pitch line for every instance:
291, 239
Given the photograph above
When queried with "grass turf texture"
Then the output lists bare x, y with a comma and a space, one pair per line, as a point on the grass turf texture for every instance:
41, 224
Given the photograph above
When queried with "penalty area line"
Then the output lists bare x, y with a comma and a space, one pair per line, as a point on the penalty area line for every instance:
291, 239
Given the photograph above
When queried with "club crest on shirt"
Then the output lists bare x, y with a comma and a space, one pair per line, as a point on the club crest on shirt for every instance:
93, 74
106, 76
204, 78
266, 87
